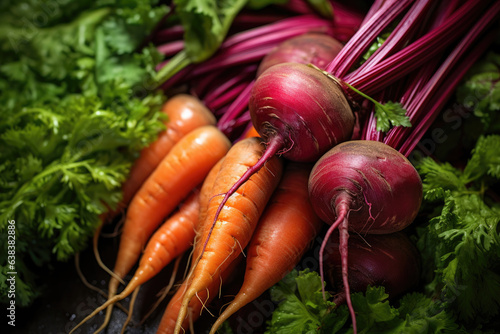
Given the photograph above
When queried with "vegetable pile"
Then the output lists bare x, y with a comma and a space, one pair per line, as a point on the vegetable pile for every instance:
304, 155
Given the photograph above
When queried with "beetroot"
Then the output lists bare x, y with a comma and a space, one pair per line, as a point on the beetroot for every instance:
366, 187
300, 110
300, 117
374, 183
310, 48
388, 260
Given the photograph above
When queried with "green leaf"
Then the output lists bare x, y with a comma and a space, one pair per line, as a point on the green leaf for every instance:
461, 244
480, 90
485, 159
302, 308
324, 8
206, 23
438, 177
388, 114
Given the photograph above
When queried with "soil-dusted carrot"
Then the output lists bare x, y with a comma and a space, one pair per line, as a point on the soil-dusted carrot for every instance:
222, 242
172, 239
185, 113
184, 167
204, 297
286, 228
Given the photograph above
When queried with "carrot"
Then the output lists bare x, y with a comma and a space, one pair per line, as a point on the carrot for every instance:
196, 305
184, 167
223, 241
206, 191
203, 197
170, 315
286, 228
173, 238
251, 132
185, 113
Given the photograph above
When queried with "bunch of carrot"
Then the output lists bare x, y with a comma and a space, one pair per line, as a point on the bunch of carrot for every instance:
170, 204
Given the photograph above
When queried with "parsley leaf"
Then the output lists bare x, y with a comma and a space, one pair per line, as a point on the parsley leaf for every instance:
302, 308
388, 114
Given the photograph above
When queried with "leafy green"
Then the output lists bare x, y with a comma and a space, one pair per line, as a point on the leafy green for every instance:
462, 242
77, 104
390, 114
387, 114
322, 7
206, 24
480, 91
302, 309
260, 4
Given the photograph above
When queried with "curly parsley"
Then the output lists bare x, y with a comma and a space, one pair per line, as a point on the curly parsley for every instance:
77, 104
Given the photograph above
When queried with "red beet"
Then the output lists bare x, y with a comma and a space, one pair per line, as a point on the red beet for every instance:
367, 187
388, 260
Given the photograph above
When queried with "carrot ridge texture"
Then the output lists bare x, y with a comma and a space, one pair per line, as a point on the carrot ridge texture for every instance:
220, 245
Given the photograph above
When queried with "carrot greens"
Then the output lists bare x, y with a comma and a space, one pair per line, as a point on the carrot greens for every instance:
76, 107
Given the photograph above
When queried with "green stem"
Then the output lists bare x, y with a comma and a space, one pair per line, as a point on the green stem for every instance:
362, 94
174, 65
51, 170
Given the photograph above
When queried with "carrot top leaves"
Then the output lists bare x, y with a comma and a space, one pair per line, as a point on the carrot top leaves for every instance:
75, 110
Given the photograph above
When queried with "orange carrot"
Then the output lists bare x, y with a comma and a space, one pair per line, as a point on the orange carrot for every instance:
289, 218
196, 305
172, 239
251, 132
222, 242
185, 113
184, 167
206, 191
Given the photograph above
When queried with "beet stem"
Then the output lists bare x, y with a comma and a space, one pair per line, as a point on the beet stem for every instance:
343, 242
341, 216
